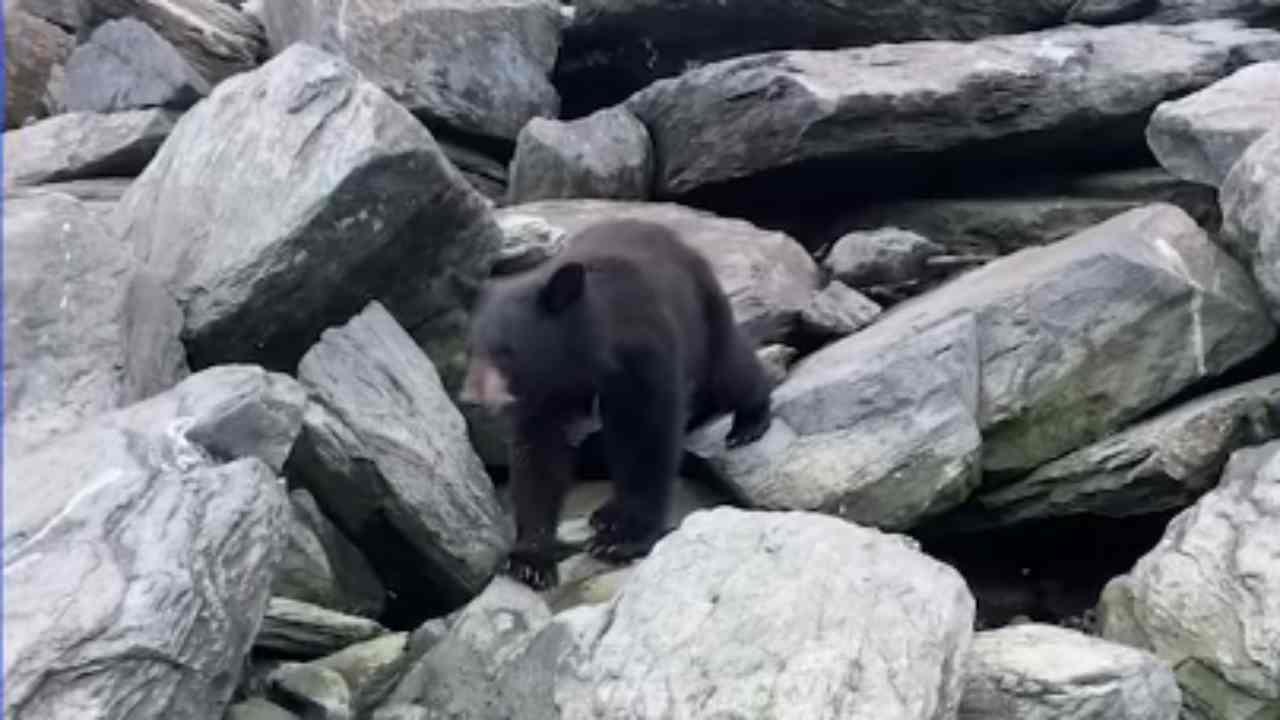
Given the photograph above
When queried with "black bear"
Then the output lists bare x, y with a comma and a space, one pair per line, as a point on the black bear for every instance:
629, 319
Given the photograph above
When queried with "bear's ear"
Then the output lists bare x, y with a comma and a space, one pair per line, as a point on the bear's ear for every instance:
564, 288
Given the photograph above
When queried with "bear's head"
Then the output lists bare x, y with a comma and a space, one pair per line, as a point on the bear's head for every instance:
527, 339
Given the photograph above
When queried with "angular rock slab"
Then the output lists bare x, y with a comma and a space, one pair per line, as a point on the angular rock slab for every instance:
339, 196
604, 155
33, 49
126, 65
223, 413
1043, 672
217, 39
1080, 337
1251, 215
85, 145
142, 598
370, 668
301, 629
87, 330
457, 676
1160, 464
761, 615
768, 276
385, 453
1206, 599
1201, 136
743, 117
480, 66
880, 429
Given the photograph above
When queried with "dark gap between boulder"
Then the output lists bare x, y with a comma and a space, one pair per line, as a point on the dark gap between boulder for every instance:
1049, 571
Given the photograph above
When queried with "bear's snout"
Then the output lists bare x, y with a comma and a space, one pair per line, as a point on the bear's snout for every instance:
486, 386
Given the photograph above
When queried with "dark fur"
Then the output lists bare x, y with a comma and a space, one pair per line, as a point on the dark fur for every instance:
631, 315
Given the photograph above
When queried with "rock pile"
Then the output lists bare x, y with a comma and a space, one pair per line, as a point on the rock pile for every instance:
1009, 265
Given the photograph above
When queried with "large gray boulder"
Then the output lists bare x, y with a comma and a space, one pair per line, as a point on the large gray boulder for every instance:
1081, 337
880, 428
216, 39
1251, 215
1201, 136
1043, 672
291, 197
126, 65
1070, 88
84, 145
617, 46
142, 597
1206, 599
1162, 463
86, 329
385, 453
479, 66
761, 615
223, 413
604, 155
34, 49
768, 276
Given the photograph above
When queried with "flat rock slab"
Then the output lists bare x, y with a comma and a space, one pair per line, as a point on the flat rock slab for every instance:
1201, 136
480, 66
87, 329
1055, 89
340, 196
142, 597
1043, 672
1206, 599
1080, 337
385, 453
1160, 464
1251, 215
216, 39
303, 630
1006, 220
880, 429
126, 65
618, 46
223, 413
761, 615
85, 145
768, 276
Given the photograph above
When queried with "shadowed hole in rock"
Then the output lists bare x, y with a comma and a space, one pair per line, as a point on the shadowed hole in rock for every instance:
807, 200
1048, 571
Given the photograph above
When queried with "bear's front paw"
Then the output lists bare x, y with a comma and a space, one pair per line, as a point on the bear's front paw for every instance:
608, 518
748, 428
532, 568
